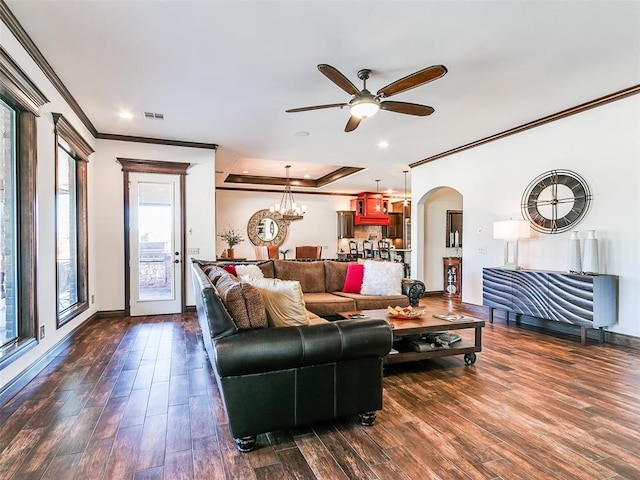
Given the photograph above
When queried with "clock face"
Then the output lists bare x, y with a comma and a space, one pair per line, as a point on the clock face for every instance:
556, 201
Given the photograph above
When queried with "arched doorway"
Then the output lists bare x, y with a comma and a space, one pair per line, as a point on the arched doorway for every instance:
433, 236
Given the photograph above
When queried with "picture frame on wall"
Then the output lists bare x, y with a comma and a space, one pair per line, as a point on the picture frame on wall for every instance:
454, 229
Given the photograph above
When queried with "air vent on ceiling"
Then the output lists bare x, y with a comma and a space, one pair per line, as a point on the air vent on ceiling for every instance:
154, 116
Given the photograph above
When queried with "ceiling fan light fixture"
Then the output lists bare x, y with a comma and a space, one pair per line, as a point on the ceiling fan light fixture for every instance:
364, 107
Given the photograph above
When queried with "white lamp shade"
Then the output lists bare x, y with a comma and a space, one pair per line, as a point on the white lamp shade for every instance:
511, 229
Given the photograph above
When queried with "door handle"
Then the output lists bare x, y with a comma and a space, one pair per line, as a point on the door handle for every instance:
176, 261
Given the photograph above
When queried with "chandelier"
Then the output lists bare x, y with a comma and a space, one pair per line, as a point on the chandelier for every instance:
287, 207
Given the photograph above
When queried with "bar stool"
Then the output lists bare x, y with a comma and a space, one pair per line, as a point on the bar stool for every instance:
354, 253
367, 249
384, 247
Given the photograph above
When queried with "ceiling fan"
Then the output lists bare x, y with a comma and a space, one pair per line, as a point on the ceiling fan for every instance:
364, 104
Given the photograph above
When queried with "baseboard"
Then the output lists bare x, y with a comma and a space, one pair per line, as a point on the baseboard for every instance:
622, 340
18, 383
111, 313
475, 310
433, 293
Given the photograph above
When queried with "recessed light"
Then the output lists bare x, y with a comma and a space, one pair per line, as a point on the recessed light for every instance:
307, 176
126, 114
302, 133
244, 172
383, 144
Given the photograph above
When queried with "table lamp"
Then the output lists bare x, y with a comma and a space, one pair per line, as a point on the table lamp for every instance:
510, 231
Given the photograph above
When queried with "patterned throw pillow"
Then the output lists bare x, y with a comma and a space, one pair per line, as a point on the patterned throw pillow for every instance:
243, 302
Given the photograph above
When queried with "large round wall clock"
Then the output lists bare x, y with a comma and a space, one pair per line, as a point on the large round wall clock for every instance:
556, 201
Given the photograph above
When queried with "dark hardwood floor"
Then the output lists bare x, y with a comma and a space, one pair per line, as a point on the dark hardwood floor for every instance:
135, 398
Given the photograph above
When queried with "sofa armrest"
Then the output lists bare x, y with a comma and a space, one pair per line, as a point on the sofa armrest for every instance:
263, 350
414, 289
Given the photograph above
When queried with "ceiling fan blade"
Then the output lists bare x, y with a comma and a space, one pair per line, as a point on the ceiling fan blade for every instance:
414, 80
408, 108
352, 124
316, 107
338, 78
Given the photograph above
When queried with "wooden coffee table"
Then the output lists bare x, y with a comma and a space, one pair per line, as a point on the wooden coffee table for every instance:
426, 324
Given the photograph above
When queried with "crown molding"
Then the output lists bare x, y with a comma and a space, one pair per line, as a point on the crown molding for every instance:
155, 141
337, 174
25, 40
598, 102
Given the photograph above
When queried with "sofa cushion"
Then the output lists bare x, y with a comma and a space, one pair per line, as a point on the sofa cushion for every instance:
382, 278
283, 301
334, 275
215, 272
309, 274
353, 279
375, 302
267, 269
248, 271
328, 304
243, 302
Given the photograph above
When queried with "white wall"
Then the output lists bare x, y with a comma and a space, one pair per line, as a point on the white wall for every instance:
435, 224
45, 228
318, 227
602, 145
106, 205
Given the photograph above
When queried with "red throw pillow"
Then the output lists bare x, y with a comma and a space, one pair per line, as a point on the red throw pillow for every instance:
231, 269
353, 278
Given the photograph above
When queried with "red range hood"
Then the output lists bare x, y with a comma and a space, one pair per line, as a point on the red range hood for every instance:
371, 209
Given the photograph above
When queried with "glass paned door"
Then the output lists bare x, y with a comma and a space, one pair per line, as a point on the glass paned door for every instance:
154, 229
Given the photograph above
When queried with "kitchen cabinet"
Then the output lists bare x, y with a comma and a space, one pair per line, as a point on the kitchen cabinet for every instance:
395, 229
370, 209
346, 224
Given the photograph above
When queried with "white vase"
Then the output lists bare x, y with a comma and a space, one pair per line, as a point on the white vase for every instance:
590, 260
575, 260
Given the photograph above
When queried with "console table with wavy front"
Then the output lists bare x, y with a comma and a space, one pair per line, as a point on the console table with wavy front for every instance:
589, 301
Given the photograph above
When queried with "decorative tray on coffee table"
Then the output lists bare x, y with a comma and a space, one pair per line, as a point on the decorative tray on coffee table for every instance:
405, 313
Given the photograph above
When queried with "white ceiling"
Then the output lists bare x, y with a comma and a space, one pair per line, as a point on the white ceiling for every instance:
225, 72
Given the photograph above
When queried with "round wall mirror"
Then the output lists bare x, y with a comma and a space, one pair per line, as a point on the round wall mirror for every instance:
266, 228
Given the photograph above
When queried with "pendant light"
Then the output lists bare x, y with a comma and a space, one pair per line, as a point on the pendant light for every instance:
287, 207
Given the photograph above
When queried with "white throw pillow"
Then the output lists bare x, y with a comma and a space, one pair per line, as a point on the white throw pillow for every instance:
382, 278
252, 271
283, 301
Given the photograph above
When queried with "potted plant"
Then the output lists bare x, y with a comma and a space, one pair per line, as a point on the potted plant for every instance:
232, 237
284, 253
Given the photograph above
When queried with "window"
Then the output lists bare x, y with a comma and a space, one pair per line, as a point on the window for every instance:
19, 104
8, 227
71, 221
